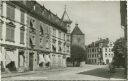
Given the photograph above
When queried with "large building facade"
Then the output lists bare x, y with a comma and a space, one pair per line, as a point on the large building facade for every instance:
100, 52
32, 37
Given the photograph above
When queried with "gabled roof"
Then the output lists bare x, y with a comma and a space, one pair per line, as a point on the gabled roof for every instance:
77, 31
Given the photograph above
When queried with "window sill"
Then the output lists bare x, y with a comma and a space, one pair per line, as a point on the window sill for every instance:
10, 40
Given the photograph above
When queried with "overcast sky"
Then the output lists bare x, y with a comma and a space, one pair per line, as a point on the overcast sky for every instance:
95, 18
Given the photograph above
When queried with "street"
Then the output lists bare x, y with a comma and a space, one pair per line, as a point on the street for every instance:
87, 72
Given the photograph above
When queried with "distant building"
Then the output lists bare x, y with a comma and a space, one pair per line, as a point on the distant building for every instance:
77, 45
100, 52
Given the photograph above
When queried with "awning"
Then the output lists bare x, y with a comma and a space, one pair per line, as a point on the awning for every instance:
2, 57
47, 59
9, 56
41, 58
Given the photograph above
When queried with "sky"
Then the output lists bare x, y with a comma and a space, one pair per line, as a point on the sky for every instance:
96, 19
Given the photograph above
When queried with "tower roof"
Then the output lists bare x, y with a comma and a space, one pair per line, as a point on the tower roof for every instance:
65, 16
77, 31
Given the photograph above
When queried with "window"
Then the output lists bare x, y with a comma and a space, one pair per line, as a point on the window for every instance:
54, 31
31, 23
105, 54
60, 49
68, 38
68, 49
53, 48
106, 49
109, 50
32, 41
22, 29
64, 36
10, 31
10, 12
59, 34
22, 17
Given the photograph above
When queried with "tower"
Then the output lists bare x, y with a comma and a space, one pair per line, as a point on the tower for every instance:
77, 46
65, 18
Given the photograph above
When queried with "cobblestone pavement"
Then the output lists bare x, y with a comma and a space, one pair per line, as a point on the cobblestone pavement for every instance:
87, 72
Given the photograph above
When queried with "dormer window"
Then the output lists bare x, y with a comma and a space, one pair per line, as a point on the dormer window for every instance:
41, 31
32, 23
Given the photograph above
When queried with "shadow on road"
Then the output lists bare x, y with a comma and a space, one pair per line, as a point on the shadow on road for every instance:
103, 72
119, 73
99, 72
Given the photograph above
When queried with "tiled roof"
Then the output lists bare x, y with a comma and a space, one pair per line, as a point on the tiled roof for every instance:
77, 31
35, 7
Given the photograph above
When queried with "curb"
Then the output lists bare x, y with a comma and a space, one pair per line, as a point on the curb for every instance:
16, 75
32, 72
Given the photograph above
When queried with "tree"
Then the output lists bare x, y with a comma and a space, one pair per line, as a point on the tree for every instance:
119, 52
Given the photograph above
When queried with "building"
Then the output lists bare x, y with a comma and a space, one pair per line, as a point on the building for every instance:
77, 46
12, 36
100, 52
32, 37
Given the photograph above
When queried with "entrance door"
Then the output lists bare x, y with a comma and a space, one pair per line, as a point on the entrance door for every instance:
31, 61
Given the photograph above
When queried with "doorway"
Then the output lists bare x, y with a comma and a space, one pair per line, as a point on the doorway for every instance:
107, 61
31, 61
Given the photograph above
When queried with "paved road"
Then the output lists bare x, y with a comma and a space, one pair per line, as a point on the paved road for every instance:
88, 72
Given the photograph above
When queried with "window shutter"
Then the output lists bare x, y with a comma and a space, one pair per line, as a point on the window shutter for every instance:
12, 34
8, 11
0, 30
7, 33
22, 36
22, 17
13, 13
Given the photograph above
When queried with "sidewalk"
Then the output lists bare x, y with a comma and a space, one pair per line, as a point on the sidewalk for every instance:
12, 74
118, 75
